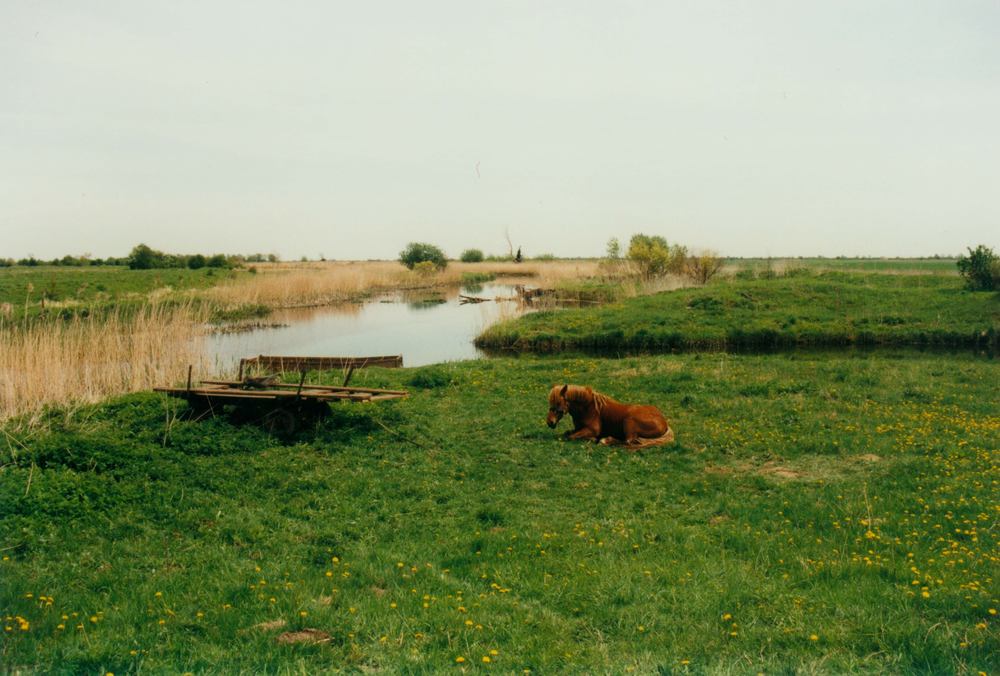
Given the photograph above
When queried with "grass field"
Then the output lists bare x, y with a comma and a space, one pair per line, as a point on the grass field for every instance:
941, 266
796, 309
817, 515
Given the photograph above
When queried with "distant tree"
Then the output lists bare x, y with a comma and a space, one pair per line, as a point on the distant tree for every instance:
144, 258
471, 256
273, 258
418, 252
614, 252
217, 261
654, 257
196, 262
981, 269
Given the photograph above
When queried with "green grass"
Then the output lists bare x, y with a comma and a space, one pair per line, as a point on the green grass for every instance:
94, 288
816, 515
943, 266
833, 309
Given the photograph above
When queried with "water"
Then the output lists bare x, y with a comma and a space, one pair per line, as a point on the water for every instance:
428, 329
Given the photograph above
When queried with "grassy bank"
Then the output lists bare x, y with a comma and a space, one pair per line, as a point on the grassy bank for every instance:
827, 516
832, 309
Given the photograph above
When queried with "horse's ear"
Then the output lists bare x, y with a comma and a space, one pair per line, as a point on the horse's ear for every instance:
563, 393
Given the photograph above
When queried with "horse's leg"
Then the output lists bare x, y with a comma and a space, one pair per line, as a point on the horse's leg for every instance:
584, 433
631, 429
647, 428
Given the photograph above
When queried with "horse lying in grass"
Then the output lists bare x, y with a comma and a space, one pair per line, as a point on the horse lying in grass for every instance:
604, 420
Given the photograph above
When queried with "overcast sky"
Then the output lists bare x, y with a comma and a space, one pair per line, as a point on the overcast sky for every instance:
349, 129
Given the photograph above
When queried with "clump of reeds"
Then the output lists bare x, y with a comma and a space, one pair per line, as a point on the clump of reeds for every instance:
289, 285
85, 359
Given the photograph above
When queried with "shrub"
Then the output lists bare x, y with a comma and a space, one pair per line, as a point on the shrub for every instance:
196, 262
218, 261
702, 266
430, 377
654, 257
981, 269
472, 256
418, 252
425, 268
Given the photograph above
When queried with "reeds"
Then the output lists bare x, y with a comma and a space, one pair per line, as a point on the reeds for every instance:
84, 360
287, 285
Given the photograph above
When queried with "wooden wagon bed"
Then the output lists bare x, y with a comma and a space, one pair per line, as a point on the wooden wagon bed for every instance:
283, 407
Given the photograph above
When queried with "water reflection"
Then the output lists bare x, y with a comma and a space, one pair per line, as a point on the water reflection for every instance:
425, 329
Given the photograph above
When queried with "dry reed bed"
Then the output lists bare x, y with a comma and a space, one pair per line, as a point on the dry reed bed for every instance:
84, 361
289, 285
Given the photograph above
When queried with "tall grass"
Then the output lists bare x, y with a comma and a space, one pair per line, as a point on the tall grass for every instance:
84, 360
286, 285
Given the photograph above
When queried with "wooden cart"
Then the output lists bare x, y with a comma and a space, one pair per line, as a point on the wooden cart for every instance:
281, 407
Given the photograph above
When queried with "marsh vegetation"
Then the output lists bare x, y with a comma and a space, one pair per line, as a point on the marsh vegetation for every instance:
819, 513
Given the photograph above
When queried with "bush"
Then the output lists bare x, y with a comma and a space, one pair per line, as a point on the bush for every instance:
702, 266
472, 256
981, 269
196, 262
417, 252
218, 261
654, 257
425, 268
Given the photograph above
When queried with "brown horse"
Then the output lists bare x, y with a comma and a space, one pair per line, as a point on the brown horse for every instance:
598, 417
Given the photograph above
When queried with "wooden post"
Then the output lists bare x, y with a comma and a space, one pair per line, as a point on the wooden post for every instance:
189, 378
301, 382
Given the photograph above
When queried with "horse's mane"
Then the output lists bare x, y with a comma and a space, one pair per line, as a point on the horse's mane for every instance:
581, 395
600, 400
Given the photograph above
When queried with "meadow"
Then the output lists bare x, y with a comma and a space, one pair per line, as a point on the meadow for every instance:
818, 514
746, 310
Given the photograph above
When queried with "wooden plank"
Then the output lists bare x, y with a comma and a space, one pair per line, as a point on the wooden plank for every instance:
330, 388
282, 364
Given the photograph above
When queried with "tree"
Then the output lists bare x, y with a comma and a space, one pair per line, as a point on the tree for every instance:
654, 257
981, 269
196, 262
418, 252
471, 256
144, 258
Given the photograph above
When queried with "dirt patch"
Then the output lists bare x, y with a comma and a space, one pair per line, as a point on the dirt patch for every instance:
870, 457
304, 636
267, 626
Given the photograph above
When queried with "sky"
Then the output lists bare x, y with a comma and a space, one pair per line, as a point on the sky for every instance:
348, 129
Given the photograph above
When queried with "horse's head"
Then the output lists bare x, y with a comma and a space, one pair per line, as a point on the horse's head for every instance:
558, 405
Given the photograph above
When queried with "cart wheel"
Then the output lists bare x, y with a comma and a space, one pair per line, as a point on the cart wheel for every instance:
200, 408
281, 421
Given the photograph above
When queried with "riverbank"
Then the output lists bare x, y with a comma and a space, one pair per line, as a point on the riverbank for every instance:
828, 516
801, 309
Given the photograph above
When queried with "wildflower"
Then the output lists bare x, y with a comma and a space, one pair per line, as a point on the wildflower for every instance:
459, 659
